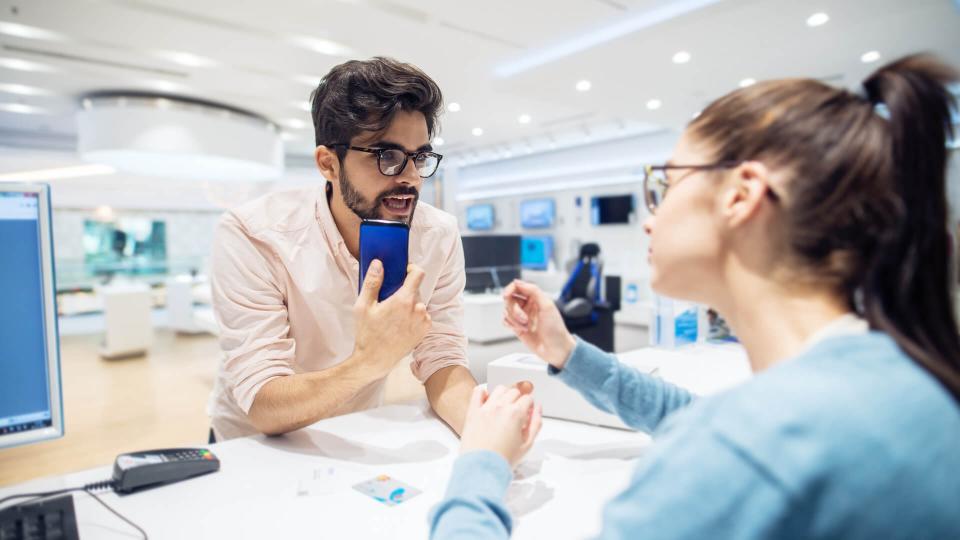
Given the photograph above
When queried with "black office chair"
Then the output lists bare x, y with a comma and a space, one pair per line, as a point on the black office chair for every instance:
585, 312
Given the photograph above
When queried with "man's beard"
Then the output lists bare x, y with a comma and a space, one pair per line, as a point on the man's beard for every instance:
371, 210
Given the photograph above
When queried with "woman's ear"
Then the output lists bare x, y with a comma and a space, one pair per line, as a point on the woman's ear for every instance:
747, 189
327, 162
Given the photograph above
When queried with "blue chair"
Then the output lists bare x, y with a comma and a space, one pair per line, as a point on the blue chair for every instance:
586, 313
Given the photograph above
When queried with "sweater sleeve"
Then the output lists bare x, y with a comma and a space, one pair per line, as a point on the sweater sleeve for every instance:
640, 400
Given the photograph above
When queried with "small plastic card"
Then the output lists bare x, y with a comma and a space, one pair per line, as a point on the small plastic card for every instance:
387, 490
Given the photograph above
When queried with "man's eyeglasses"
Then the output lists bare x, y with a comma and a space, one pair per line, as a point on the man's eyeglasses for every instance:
656, 183
392, 161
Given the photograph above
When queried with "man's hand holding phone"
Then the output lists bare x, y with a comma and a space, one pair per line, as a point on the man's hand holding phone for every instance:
388, 331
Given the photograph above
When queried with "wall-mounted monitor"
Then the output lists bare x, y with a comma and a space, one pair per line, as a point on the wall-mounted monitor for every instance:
536, 252
612, 209
480, 217
537, 213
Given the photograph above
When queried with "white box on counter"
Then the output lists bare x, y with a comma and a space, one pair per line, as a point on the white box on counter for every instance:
701, 368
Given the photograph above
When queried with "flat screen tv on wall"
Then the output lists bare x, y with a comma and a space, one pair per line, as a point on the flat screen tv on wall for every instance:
537, 213
612, 209
480, 217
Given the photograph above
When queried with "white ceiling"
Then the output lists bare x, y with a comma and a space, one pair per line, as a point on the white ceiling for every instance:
113, 44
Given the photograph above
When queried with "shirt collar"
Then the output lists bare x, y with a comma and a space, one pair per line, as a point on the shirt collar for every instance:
325, 217
849, 324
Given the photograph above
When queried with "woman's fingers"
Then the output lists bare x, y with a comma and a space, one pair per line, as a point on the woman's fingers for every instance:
517, 313
533, 427
525, 387
507, 316
478, 397
522, 407
495, 395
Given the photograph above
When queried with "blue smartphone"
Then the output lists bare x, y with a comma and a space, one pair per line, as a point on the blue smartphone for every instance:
387, 241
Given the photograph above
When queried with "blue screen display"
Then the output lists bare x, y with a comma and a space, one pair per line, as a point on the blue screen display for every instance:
536, 252
24, 388
480, 217
537, 213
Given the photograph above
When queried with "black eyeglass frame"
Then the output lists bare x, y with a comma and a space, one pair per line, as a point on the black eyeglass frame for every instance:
379, 152
649, 170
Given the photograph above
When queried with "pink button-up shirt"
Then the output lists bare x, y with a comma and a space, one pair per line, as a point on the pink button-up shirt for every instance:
284, 286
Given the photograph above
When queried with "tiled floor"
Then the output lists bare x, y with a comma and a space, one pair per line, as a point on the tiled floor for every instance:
156, 401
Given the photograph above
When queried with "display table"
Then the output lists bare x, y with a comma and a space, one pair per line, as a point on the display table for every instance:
299, 485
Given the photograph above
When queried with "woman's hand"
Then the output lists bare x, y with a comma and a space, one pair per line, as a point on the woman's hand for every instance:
505, 421
535, 319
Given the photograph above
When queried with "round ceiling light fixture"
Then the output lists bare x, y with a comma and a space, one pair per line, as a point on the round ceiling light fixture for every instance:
176, 137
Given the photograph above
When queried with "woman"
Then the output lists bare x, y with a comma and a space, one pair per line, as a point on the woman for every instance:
815, 221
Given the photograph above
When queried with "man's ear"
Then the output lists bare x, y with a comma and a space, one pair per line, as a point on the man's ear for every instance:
746, 192
327, 162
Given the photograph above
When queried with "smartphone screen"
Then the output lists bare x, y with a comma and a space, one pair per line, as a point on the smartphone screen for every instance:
388, 242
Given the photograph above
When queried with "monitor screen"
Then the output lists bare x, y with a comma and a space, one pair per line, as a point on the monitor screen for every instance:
491, 261
612, 210
480, 217
537, 213
536, 252
29, 358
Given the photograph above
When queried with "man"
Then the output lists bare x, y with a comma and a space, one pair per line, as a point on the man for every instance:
299, 343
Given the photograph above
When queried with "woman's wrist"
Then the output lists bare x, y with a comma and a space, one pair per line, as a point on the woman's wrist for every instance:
564, 352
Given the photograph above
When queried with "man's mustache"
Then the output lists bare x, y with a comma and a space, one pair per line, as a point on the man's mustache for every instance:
399, 191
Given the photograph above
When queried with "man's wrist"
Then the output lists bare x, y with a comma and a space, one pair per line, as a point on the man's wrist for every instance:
361, 366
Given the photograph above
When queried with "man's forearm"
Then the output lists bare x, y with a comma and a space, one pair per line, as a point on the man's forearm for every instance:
294, 401
449, 392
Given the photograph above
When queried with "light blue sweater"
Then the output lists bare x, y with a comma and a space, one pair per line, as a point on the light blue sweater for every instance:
850, 440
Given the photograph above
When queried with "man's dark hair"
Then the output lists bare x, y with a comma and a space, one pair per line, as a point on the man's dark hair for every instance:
364, 95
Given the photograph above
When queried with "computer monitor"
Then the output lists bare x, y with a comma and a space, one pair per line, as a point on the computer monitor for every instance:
480, 217
537, 213
30, 399
491, 261
536, 252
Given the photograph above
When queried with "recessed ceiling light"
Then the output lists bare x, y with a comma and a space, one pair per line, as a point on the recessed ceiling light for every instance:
185, 58
21, 108
524, 119
654, 104
24, 65
477, 131
696, 114
322, 46
438, 141
294, 123
23, 90
817, 19
583, 86
302, 105
747, 82
681, 57
29, 32
869, 56
453, 107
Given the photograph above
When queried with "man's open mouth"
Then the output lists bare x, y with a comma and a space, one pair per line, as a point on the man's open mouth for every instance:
400, 204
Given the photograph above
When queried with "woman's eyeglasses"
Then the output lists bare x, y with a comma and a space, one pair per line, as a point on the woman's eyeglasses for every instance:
656, 183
